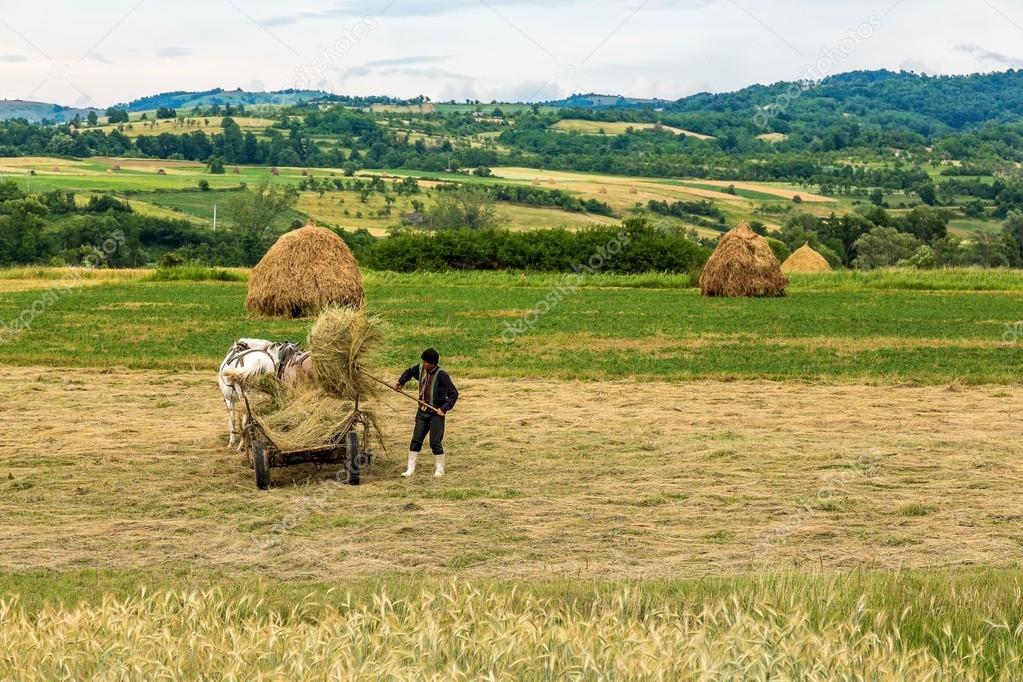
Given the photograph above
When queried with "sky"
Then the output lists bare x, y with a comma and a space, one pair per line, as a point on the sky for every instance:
111, 51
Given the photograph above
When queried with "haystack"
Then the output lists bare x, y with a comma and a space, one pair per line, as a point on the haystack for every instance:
805, 259
306, 271
743, 265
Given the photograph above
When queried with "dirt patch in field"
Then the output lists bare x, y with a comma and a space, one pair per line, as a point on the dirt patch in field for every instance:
546, 479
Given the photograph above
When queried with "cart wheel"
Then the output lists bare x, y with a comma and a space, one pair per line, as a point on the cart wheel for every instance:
261, 464
354, 465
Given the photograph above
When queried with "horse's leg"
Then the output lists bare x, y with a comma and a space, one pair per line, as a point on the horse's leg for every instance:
243, 419
231, 422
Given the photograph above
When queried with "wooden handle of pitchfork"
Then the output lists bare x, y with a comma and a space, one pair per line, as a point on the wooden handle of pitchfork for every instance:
384, 383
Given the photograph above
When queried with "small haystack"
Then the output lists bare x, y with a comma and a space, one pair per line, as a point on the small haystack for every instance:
161, 172
805, 259
306, 271
743, 265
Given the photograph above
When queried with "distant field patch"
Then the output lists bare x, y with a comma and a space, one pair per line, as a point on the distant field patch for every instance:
618, 127
773, 190
212, 124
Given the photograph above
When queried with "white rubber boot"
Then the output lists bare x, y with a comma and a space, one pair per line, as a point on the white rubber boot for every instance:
439, 471
412, 457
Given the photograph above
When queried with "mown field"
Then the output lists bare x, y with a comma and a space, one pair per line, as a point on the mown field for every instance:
643, 484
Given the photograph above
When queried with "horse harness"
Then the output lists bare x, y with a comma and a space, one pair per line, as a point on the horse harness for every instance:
288, 354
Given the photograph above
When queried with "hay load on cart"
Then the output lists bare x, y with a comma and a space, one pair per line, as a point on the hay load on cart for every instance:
323, 420
306, 271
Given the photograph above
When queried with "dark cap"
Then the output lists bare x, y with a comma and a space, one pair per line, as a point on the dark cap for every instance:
431, 356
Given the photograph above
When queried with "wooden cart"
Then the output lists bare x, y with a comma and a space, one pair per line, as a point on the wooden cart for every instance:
347, 449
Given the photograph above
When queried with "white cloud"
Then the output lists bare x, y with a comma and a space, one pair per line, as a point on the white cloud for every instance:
173, 52
486, 49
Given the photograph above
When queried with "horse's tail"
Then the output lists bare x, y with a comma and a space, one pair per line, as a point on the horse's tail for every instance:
233, 376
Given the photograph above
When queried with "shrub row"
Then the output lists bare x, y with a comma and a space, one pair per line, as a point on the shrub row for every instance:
631, 248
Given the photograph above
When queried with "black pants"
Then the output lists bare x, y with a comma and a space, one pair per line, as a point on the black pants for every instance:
428, 422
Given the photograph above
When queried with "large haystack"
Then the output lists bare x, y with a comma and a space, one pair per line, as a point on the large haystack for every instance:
743, 265
805, 259
304, 272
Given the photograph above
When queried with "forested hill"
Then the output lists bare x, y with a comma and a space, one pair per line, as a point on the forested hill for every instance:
189, 100
928, 105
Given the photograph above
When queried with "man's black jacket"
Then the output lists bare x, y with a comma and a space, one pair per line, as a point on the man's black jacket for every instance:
444, 394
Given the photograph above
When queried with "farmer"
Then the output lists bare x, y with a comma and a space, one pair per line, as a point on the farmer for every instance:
437, 391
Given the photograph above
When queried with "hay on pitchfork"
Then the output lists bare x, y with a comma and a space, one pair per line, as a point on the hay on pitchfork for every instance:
304, 272
340, 341
743, 265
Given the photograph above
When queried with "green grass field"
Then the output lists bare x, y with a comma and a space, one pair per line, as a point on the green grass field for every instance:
829, 327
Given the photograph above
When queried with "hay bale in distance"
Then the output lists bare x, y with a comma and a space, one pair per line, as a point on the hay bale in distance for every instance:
805, 259
743, 265
340, 340
306, 271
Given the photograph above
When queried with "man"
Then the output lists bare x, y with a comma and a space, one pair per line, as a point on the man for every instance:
438, 392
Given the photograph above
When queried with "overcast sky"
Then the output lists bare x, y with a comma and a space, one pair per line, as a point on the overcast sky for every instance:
100, 53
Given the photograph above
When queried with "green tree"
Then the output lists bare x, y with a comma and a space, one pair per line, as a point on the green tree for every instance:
115, 115
92, 118
21, 232
927, 193
1012, 228
253, 211
464, 208
216, 165
883, 247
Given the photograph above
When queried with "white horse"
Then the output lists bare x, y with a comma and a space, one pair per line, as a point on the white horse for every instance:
250, 359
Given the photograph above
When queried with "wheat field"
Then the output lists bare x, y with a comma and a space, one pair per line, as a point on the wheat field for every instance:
460, 632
